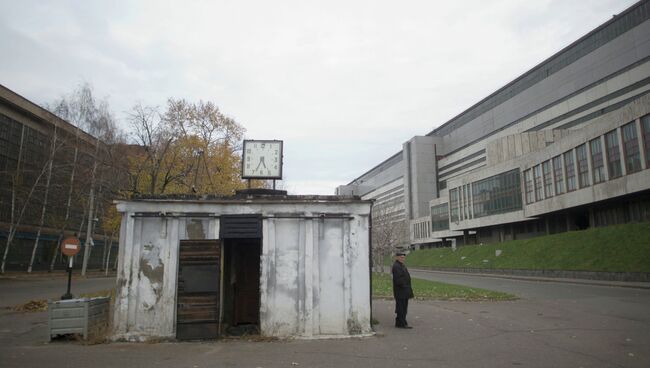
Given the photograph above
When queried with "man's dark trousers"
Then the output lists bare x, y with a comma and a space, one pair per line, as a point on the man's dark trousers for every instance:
401, 306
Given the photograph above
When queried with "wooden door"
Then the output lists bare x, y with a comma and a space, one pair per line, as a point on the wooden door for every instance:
199, 274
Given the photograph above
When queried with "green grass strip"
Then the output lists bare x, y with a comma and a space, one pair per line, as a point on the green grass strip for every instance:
382, 287
620, 248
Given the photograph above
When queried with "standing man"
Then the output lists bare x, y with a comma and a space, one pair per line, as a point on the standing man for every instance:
402, 290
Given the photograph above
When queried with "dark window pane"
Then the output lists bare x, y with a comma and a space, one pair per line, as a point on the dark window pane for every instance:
613, 155
558, 168
631, 148
583, 166
597, 164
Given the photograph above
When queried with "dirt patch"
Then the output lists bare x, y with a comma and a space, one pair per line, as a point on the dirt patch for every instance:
32, 306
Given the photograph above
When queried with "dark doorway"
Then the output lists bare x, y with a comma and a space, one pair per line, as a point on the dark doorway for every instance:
199, 274
242, 282
581, 220
242, 240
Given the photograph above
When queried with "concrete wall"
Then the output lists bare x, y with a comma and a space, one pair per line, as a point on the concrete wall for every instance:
314, 266
420, 176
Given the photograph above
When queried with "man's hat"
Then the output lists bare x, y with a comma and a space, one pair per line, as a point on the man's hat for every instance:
400, 254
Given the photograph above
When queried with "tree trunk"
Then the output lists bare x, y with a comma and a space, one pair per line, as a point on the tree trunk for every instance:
67, 207
12, 225
91, 207
108, 256
47, 192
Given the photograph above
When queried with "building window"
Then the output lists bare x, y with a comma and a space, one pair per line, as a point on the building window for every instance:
548, 179
453, 205
537, 179
558, 169
645, 126
465, 202
597, 164
631, 148
570, 171
497, 194
583, 166
613, 155
439, 217
528, 183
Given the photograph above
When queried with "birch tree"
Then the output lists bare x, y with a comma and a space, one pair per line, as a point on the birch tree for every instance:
53, 148
93, 116
22, 193
389, 232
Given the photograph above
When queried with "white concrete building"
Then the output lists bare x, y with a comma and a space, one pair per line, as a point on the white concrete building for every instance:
286, 266
564, 146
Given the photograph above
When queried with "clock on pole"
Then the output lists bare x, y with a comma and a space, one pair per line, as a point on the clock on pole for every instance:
262, 159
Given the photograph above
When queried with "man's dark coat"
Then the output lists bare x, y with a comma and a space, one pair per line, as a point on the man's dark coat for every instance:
401, 281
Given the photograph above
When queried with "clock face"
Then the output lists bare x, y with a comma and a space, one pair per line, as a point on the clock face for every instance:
262, 160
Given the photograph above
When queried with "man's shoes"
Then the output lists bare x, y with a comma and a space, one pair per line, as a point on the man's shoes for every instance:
407, 327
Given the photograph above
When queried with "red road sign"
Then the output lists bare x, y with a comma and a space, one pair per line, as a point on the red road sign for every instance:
70, 246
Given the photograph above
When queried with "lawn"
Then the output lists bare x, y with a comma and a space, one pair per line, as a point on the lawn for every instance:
382, 287
620, 248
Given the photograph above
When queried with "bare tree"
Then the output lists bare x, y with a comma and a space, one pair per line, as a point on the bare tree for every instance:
93, 116
389, 232
190, 148
150, 170
68, 205
22, 193
54, 146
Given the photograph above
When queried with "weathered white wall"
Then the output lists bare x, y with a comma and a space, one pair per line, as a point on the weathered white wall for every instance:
314, 282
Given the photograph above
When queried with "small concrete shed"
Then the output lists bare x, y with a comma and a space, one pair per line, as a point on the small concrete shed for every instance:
286, 266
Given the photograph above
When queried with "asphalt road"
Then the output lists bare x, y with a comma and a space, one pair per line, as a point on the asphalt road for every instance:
18, 290
551, 325
627, 304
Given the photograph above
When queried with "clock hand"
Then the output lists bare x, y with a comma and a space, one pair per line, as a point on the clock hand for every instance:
261, 163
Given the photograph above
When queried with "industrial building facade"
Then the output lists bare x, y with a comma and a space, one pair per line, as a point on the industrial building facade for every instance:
45, 168
565, 146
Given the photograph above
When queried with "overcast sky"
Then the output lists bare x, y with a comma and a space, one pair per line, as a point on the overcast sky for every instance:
342, 83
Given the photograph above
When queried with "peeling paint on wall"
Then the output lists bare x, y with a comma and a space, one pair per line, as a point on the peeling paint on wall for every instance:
152, 271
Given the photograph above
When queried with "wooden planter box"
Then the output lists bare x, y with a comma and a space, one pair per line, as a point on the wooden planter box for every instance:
86, 317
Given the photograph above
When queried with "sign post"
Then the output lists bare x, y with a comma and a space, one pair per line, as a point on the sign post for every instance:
70, 247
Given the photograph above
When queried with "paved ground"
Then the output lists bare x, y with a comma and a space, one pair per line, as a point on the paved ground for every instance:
552, 325
17, 288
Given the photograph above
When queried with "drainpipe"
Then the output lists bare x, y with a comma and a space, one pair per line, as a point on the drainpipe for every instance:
370, 259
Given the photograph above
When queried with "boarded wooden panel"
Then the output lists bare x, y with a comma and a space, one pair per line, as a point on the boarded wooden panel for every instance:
198, 290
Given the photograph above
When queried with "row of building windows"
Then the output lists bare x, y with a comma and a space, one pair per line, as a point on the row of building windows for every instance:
612, 155
490, 196
421, 230
622, 151
440, 217
497, 194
